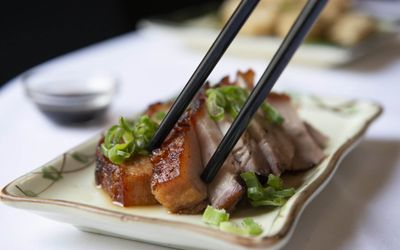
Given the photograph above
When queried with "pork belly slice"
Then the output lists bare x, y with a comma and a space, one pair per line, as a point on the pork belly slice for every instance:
224, 191
246, 151
127, 184
176, 182
307, 152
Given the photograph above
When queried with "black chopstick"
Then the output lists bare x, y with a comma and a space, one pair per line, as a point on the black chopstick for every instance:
204, 69
278, 63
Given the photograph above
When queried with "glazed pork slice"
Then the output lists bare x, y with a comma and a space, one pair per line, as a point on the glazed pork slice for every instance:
176, 182
224, 191
307, 152
127, 184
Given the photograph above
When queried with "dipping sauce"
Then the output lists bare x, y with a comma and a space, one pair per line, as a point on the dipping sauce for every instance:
70, 98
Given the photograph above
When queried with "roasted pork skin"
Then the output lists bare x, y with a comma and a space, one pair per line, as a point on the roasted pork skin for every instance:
127, 184
176, 182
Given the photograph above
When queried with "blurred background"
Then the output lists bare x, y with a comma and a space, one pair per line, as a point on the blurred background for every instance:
36, 31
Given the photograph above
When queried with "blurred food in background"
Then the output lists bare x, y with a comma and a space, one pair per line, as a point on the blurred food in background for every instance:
345, 31
339, 23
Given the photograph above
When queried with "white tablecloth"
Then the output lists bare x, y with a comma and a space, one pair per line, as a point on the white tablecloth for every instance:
359, 209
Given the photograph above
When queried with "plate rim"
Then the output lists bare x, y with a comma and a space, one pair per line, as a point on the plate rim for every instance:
305, 197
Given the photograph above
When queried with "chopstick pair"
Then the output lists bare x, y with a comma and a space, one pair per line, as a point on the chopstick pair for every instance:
257, 96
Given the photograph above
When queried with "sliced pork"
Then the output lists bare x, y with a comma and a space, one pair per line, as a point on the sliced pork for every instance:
171, 174
225, 191
274, 143
272, 140
307, 152
176, 182
246, 152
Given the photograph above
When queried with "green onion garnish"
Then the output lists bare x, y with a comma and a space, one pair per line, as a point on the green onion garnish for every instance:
215, 216
271, 114
247, 227
235, 98
232, 227
216, 103
251, 226
159, 116
251, 180
273, 194
275, 182
220, 218
127, 139
230, 99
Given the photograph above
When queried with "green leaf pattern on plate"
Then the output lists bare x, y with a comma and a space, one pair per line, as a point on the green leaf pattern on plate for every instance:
51, 173
55, 174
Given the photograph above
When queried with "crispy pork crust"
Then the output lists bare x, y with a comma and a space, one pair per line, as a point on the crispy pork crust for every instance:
127, 184
176, 182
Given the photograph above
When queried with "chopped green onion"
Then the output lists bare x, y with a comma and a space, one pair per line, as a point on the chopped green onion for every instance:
271, 114
233, 228
215, 103
220, 218
273, 194
230, 99
255, 193
159, 116
275, 202
124, 124
111, 136
285, 193
235, 97
251, 226
127, 139
247, 227
251, 179
215, 216
235, 93
275, 182
143, 130
119, 153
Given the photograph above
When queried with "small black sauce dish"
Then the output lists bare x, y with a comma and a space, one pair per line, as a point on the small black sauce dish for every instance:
69, 97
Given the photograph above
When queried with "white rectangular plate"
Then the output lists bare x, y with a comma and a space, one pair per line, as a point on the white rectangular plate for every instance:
64, 189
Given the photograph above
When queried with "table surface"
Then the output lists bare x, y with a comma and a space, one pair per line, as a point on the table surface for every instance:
359, 209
